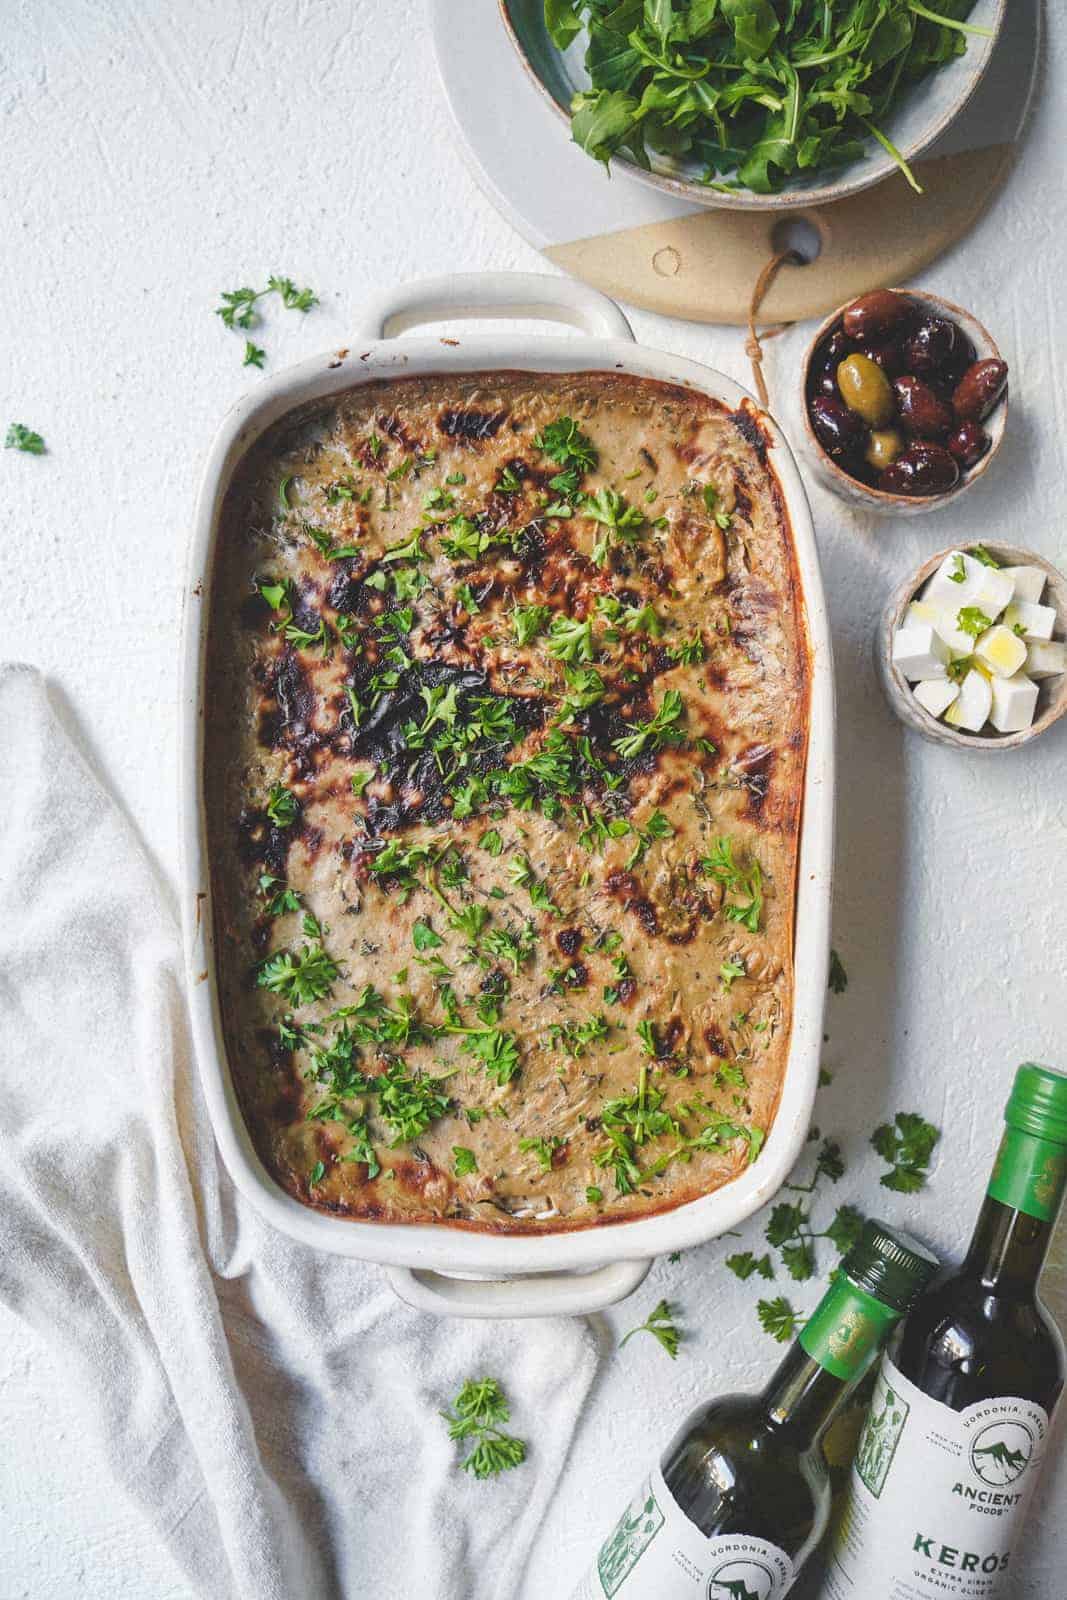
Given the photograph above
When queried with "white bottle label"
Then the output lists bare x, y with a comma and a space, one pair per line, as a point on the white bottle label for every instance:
654, 1552
937, 1497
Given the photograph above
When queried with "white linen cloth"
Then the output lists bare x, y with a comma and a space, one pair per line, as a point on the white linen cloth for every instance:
272, 1410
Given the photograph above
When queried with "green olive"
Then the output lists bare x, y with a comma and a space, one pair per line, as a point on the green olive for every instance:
865, 389
883, 447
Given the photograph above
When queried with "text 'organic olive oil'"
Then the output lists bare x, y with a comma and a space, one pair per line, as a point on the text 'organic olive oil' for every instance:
954, 1440
741, 1496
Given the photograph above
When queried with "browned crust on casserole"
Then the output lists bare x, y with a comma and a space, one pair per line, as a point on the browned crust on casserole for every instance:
540, 932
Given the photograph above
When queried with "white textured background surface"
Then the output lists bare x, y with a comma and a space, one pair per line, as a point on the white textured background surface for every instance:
154, 154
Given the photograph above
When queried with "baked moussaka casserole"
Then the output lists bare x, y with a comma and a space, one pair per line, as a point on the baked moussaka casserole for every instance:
506, 733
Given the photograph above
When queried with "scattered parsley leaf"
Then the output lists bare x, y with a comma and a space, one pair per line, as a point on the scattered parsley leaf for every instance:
906, 1144
744, 1264
254, 355
661, 1325
19, 437
777, 1318
838, 980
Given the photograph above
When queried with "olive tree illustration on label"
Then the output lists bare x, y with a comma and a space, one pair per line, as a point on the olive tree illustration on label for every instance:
881, 1435
628, 1541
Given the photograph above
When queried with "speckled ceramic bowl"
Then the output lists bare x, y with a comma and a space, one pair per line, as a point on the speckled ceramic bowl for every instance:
1052, 692
921, 117
880, 500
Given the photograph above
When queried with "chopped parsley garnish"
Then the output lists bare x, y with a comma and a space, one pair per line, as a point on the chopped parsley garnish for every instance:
744, 883
907, 1143
317, 1173
19, 437
563, 442
543, 1148
838, 980
958, 573
687, 652
528, 621
711, 505
980, 553
660, 730
497, 1051
522, 876
424, 938
254, 355
299, 976
661, 1325
283, 807
464, 1161
593, 1195
730, 970
972, 620
477, 1414
570, 640
619, 521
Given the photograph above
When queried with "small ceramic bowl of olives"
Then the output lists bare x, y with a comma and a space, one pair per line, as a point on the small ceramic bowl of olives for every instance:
905, 401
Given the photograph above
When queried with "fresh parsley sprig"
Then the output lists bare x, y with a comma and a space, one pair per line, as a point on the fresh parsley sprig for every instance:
478, 1413
661, 1325
19, 437
907, 1144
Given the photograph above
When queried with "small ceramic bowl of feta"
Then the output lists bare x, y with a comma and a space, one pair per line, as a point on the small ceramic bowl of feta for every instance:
972, 649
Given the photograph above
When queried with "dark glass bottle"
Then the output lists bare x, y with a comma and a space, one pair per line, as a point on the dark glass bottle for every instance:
954, 1440
741, 1495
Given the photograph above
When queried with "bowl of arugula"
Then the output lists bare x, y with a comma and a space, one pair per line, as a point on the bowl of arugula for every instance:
756, 104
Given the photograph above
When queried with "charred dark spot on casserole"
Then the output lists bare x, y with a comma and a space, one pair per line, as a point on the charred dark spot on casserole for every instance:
505, 755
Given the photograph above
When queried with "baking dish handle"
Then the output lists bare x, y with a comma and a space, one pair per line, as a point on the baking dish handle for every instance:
463, 295
557, 1294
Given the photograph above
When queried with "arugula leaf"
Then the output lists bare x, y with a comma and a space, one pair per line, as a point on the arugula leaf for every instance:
907, 1143
477, 1414
753, 90
661, 1325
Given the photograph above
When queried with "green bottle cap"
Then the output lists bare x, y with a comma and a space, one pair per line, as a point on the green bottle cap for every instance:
1038, 1103
889, 1265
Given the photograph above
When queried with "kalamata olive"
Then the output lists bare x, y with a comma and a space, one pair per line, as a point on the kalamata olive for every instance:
968, 443
865, 389
889, 355
922, 468
921, 412
877, 314
932, 345
883, 447
979, 390
839, 430
824, 381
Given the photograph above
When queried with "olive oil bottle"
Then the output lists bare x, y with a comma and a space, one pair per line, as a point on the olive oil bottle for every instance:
954, 1440
741, 1496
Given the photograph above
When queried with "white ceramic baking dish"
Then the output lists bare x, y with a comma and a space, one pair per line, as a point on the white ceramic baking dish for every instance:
432, 1266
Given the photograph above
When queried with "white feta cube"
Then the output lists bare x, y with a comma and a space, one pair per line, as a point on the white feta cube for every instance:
936, 695
921, 611
960, 643
1029, 582
953, 581
971, 711
992, 592
1001, 650
1045, 658
1037, 622
1014, 703
918, 652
